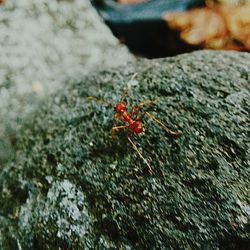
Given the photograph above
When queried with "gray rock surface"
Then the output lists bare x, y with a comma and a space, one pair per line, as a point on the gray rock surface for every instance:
44, 43
71, 188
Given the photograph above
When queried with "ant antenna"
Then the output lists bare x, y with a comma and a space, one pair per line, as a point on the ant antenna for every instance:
98, 100
139, 153
125, 91
133, 76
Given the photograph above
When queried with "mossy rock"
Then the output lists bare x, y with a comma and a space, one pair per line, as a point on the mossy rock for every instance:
60, 40
70, 187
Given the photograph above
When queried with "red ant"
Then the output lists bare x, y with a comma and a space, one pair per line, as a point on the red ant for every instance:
134, 124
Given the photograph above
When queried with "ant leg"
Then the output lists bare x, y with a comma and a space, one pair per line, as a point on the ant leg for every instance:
137, 112
117, 128
114, 119
150, 102
139, 153
162, 125
132, 111
142, 117
116, 116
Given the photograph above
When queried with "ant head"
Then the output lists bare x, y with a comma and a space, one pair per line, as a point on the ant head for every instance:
120, 107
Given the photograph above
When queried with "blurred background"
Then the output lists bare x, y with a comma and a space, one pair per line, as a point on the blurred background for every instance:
159, 28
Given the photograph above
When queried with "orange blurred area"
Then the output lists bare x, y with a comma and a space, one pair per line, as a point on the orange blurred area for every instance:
213, 27
130, 1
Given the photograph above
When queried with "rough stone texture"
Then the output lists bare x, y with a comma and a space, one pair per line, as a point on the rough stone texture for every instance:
44, 43
71, 188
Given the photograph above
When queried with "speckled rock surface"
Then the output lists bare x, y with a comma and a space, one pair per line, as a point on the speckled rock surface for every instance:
44, 43
71, 188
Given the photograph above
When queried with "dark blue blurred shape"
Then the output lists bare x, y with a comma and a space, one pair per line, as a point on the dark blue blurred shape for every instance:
141, 27
145, 11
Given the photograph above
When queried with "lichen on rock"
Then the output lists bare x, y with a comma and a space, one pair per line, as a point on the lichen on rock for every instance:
71, 188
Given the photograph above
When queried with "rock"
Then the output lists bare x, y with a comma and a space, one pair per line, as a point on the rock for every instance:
44, 43
69, 187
